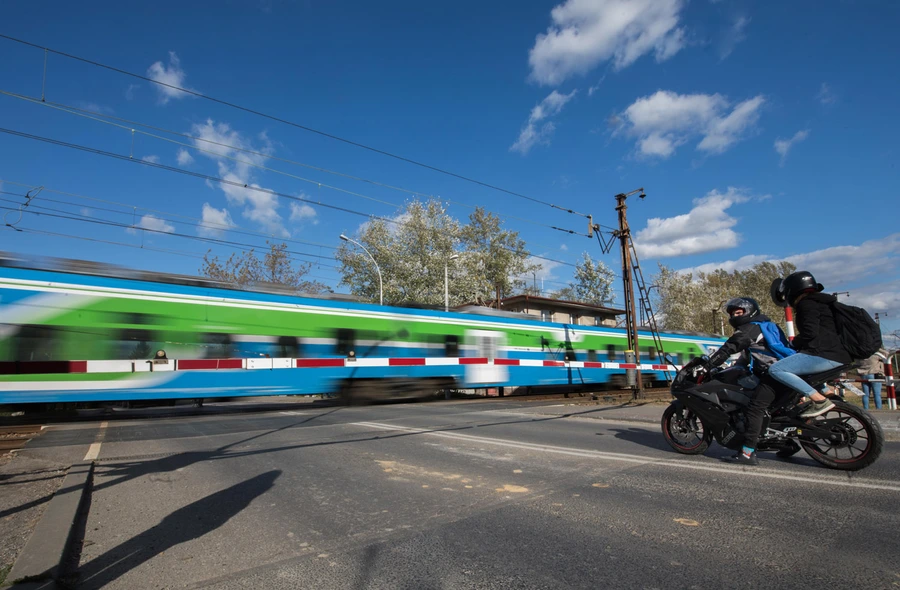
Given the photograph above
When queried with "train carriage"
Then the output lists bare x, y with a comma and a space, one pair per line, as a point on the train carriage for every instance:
69, 334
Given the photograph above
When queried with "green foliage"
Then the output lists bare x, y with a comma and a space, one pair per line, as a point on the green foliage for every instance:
275, 267
593, 283
413, 252
695, 303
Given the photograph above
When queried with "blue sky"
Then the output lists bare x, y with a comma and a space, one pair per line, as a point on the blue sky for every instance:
759, 130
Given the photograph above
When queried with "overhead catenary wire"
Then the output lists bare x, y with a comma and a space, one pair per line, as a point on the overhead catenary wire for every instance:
101, 118
29, 230
168, 216
290, 123
109, 223
217, 179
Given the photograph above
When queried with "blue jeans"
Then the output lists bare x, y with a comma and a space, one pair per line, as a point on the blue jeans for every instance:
876, 389
786, 370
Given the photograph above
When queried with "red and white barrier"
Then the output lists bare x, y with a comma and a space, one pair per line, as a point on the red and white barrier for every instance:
142, 366
889, 379
789, 322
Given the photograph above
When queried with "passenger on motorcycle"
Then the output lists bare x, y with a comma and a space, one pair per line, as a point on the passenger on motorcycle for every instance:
760, 343
818, 345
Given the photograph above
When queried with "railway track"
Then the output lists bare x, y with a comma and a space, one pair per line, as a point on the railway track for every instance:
15, 437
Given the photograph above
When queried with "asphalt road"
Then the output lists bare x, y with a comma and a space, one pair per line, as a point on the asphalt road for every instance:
499, 494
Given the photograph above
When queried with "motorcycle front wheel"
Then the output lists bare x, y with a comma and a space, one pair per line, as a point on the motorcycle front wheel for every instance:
684, 431
856, 441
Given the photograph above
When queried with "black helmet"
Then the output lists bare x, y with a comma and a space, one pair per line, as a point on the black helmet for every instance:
785, 292
748, 304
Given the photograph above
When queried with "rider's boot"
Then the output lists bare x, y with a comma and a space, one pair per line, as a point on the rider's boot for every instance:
745, 458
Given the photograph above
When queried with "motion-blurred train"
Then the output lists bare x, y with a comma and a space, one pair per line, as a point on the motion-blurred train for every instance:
77, 332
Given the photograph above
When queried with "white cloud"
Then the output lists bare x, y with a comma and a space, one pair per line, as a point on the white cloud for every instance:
533, 132
152, 222
586, 33
184, 157
172, 75
835, 267
596, 86
734, 35
705, 228
224, 142
214, 221
563, 247
153, 159
783, 146
665, 120
129, 92
301, 212
826, 96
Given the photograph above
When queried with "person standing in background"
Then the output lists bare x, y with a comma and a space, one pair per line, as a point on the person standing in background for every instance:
869, 369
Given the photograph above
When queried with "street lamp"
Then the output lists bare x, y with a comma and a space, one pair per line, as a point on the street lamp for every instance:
378, 270
446, 283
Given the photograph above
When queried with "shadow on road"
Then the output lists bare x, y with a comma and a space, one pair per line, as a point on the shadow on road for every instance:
185, 524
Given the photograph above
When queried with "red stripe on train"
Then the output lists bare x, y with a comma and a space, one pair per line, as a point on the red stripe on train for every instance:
405, 362
197, 364
320, 362
42, 367
476, 360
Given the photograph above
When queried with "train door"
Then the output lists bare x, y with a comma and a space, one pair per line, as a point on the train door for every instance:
486, 344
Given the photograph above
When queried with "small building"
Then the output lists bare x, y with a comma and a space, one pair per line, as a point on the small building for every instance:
565, 312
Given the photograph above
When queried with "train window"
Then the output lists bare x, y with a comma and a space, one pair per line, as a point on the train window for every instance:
592, 356
546, 315
573, 318
217, 346
35, 343
451, 345
611, 352
345, 340
598, 321
288, 347
133, 343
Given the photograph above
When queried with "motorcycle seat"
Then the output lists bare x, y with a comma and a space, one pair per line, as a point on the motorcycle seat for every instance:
815, 379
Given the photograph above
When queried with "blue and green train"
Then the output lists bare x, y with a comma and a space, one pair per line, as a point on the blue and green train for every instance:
73, 332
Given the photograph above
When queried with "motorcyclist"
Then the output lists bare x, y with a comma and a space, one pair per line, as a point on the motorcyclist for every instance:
818, 345
760, 343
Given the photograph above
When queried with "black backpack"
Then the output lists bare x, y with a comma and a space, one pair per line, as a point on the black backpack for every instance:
860, 335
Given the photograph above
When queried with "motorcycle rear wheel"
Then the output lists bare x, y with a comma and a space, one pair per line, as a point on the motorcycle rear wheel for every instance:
684, 431
861, 439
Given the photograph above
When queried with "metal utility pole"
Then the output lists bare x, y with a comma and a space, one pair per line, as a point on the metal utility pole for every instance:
624, 235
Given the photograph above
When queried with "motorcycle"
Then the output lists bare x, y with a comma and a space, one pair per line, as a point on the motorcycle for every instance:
710, 406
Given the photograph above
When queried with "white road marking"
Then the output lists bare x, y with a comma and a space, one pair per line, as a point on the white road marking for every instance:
94, 450
638, 459
291, 413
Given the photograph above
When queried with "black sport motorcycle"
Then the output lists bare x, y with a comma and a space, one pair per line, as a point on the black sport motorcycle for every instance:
710, 405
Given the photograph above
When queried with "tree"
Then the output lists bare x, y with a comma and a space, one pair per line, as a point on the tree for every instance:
411, 254
413, 251
276, 267
695, 303
593, 283
494, 257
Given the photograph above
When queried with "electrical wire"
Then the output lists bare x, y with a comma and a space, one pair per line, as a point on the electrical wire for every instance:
100, 118
29, 230
290, 123
164, 215
114, 155
105, 222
